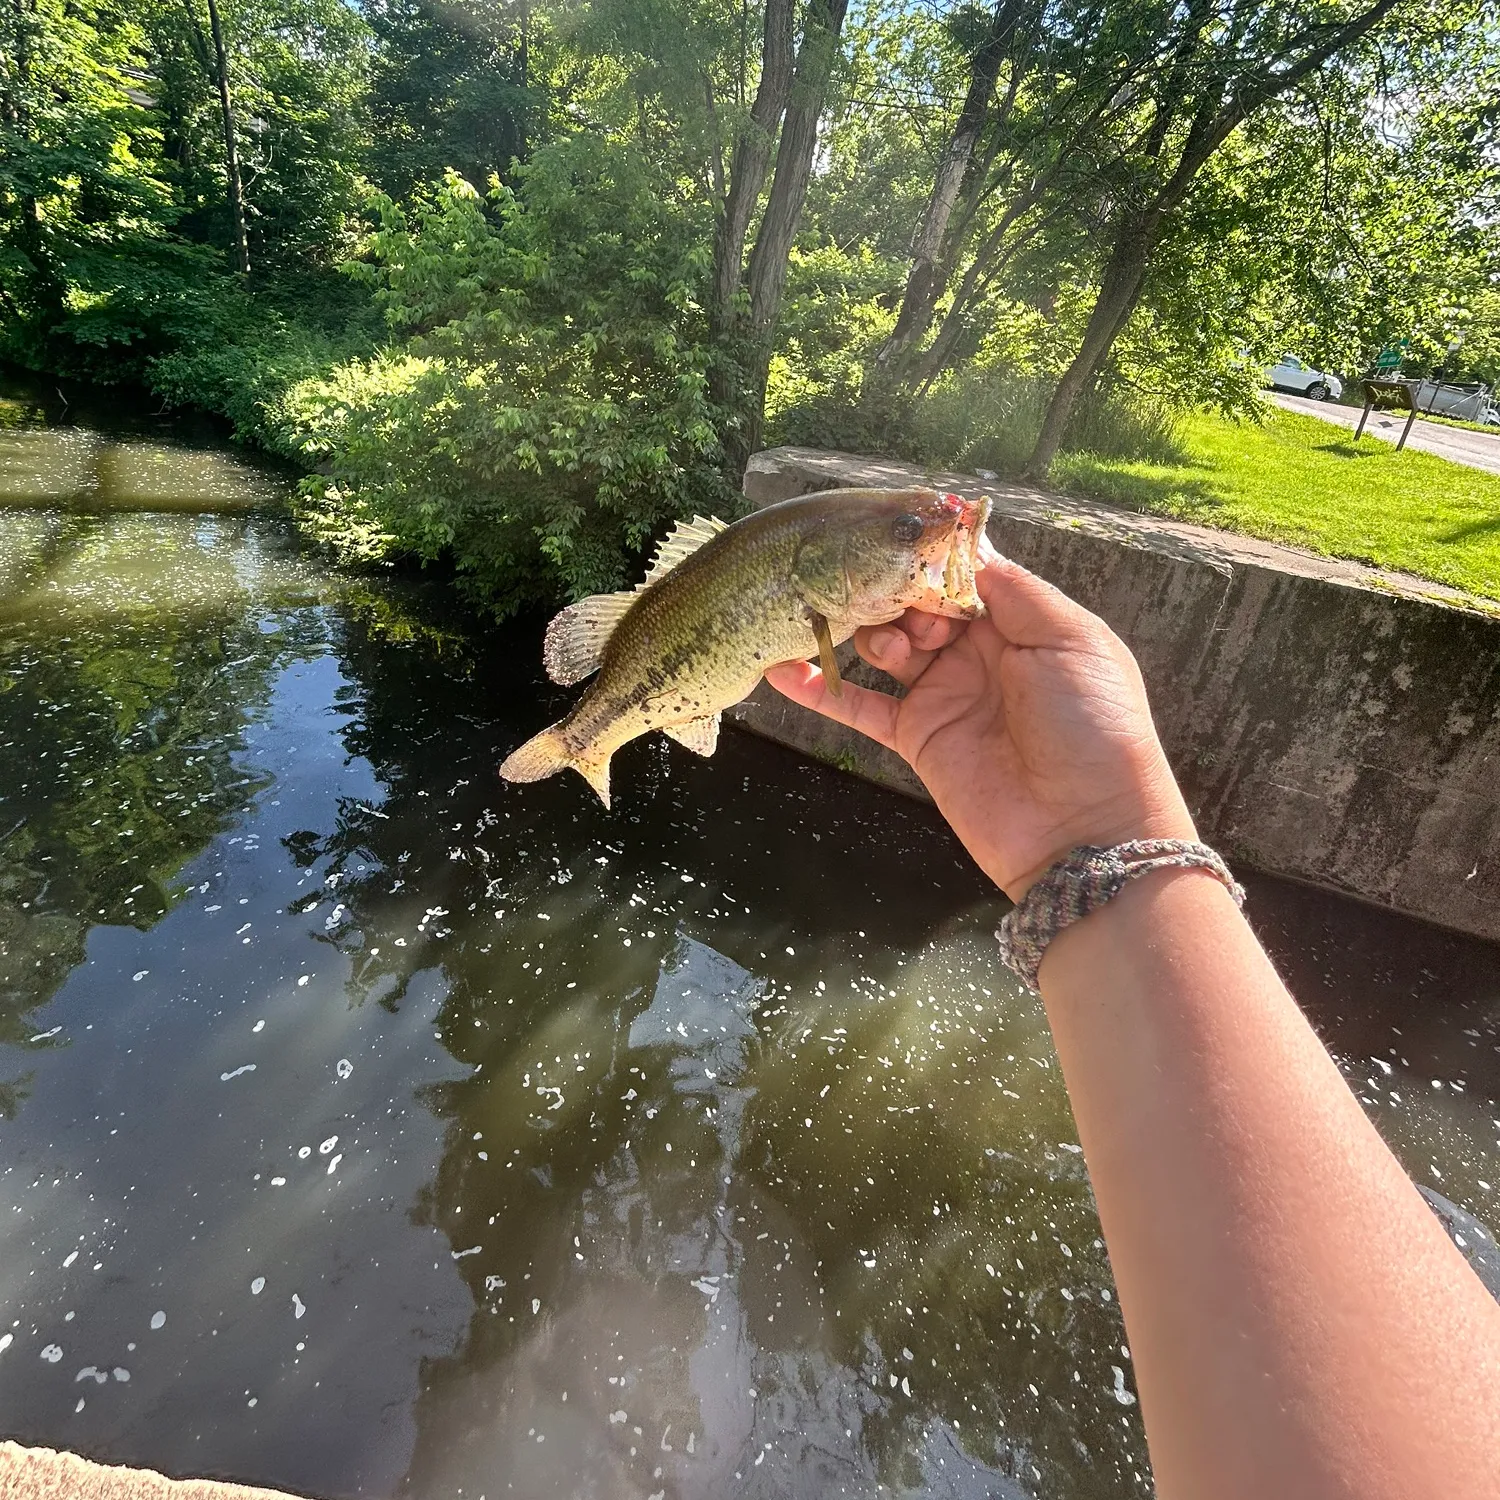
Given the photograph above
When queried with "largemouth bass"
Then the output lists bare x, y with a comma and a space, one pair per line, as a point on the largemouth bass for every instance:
722, 603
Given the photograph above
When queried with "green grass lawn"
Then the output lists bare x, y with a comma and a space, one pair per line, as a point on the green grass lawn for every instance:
1295, 479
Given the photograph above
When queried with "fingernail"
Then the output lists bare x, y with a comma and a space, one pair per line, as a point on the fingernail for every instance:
883, 641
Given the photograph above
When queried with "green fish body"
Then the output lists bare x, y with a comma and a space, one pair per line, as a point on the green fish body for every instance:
722, 603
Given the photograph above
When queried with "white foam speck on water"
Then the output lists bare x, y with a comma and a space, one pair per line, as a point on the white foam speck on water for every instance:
68, 1261
278, 1182
5, 1341
472, 1250
257, 1286
1121, 1395
343, 1067
42, 1036
52, 1353
325, 1147
79, 1407
303, 1152
616, 1417
139, 975
536, 1305
247, 1068
158, 1320
298, 1306
120, 1373
302, 980
259, 1026
333, 1165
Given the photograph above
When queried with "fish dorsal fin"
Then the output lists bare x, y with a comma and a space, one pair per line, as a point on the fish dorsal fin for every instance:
685, 539
701, 736
576, 638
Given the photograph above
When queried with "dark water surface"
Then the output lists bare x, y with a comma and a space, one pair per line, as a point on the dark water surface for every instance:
367, 1127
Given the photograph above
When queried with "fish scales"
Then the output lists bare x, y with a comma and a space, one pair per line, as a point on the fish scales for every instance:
724, 603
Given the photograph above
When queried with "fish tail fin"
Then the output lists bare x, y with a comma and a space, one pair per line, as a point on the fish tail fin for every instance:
547, 753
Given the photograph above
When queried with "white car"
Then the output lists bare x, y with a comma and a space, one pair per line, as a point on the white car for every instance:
1290, 374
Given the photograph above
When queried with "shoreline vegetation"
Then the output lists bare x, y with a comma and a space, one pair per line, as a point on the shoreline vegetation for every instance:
519, 288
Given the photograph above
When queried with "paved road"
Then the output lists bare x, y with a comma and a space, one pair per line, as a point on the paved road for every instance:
1478, 450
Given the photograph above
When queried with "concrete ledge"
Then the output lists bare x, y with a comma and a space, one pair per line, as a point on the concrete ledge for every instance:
42, 1474
1328, 721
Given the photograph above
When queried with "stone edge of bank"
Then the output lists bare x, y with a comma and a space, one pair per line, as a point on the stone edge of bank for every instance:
46, 1474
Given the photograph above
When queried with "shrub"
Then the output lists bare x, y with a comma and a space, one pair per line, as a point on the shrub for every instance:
547, 411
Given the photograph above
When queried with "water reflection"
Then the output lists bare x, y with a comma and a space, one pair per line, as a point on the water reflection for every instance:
133, 652
86, 470
394, 1130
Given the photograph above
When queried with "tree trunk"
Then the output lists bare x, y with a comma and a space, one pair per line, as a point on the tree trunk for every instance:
992, 256
773, 242
749, 163
231, 153
925, 281
1119, 291
747, 175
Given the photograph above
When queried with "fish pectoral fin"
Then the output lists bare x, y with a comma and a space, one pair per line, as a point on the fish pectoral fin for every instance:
701, 736
826, 658
577, 636
685, 538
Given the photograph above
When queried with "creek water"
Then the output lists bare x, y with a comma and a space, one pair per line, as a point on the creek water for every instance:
369, 1127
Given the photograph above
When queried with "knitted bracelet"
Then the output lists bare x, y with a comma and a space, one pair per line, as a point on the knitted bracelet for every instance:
1081, 882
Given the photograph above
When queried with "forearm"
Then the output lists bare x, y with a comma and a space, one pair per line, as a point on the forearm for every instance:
1299, 1323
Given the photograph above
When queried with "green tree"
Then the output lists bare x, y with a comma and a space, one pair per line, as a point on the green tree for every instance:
1215, 75
453, 86
92, 276
263, 108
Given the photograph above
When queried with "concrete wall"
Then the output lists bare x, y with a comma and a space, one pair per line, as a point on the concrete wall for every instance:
1327, 721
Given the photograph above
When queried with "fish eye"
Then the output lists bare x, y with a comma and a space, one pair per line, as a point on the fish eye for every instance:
907, 528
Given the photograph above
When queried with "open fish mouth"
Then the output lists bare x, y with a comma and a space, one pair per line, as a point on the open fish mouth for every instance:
951, 577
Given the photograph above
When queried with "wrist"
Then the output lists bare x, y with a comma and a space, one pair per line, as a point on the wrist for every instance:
1162, 816
1087, 880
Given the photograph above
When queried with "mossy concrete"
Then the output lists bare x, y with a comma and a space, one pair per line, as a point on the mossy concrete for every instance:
1328, 721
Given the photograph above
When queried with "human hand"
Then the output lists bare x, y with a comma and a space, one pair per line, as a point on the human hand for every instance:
1029, 725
